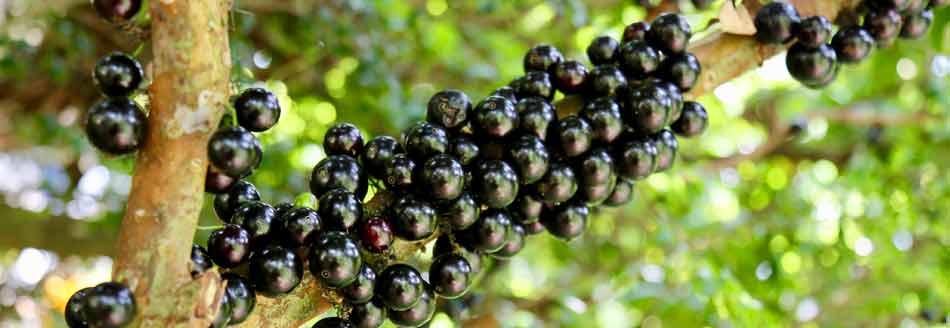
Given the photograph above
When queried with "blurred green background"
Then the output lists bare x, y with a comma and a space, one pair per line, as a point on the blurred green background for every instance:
796, 208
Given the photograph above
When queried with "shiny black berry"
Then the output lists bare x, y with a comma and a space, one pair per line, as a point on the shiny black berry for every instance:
682, 70
558, 185
461, 212
398, 172
638, 60
647, 108
527, 208
814, 68
217, 182
442, 177
635, 32
534, 84
338, 171
603, 50
283, 208
449, 108
117, 74
622, 193
343, 139
536, 116
257, 109
605, 80
495, 183
495, 117
693, 121
229, 246
419, 314
534, 228
669, 33
241, 192
234, 151
603, 114
117, 10
223, 317
116, 126
529, 157
108, 305
340, 209
257, 219
377, 152
814, 31
464, 149
367, 315
636, 159
852, 44
569, 76
567, 221
595, 176
423, 140
666, 147
200, 260
916, 24
541, 57
571, 136
489, 233
74, 306
776, 23
450, 275
413, 218
443, 246
506, 92
399, 287
375, 234
676, 99
884, 25
300, 226
361, 289
335, 259
241, 297
332, 322
514, 245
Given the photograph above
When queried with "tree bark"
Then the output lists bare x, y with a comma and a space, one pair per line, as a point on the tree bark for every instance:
190, 73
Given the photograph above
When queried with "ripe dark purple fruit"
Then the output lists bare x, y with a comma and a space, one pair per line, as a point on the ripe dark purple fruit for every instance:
74, 306
419, 314
495, 117
884, 25
596, 176
529, 157
338, 171
300, 226
257, 219
814, 68
536, 116
275, 270
682, 70
241, 192
527, 208
332, 322
636, 159
116, 126
461, 212
423, 140
693, 121
335, 259
647, 108
622, 193
495, 183
234, 151
603, 50
638, 60
567, 221
117, 10
367, 315
343, 139
676, 99
506, 92
443, 177
814, 31
375, 234
450, 275
534, 84
603, 114
257, 109
636, 31
400, 287
449, 108
117, 74
916, 24
666, 147
569, 76
534, 228
229, 246
223, 317
377, 152
489, 233
669, 33
340, 209
514, 245
200, 260
108, 305
852, 44
361, 289
443, 246
413, 218
558, 185
605, 80
541, 57
776, 23
398, 172
241, 297
571, 136
217, 182
464, 149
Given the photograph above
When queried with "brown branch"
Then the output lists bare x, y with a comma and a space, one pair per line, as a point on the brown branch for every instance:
190, 69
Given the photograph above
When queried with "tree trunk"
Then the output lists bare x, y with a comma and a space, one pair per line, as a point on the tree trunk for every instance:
189, 93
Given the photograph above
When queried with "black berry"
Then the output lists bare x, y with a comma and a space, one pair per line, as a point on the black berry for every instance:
413, 218
916, 24
74, 306
461, 212
541, 57
603, 50
117, 10
450, 275
534, 228
449, 108
647, 108
117, 74
776, 23
223, 317
814, 31
603, 114
495, 183
669, 33
693, 121
335, 259
257, 219
814, 68
241, 297
636, 32
514, 245
567, 221
229, 246
558, 185
424, 140
569, 76
375, 234
536, 116
534, 84
340, 209
343, 139
682, 70
108, 305
367, 315
852, 44
529, 157
666, 146
506, 92
638, 60
300, 226
489, 233
338, 171
636, 159
332, 322
527, 208
419, 314
442, 177
464, 149
398, 172
216, 182
572, 136
241, 192
495, 117
200, 260
234, 151
361, 289
116, 126
257, 109
596, 176
400, 287
884, 25
622, 193
605, 80
377, 152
